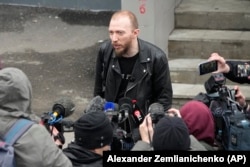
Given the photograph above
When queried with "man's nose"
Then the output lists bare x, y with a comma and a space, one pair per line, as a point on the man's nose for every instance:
114, 37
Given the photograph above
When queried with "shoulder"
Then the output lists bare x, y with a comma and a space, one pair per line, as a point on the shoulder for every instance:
105, 44
142, 146
195, 145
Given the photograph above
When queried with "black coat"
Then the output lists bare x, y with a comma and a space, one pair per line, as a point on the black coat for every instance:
81, 157
232, 75
151, 76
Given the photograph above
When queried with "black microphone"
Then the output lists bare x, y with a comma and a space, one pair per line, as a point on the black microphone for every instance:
156, 111
62, 108
126, 107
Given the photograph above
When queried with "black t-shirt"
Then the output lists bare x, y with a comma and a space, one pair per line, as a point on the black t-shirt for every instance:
126, 66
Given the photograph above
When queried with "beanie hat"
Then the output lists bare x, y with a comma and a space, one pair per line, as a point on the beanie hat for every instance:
93, 130
171, 133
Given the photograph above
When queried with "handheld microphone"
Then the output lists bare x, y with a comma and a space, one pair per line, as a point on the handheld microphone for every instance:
62, 108
138, 116
126, 107
156, 111
111, 109
95, 105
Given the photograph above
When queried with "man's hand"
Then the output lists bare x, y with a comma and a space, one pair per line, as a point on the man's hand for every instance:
146, 129
221, 62
240, 98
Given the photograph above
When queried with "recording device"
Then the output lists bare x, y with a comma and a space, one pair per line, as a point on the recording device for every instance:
125, 108
228, 116
55, 121
243, 70
62, 108
125, 117
156, 111
111, 110
207, 67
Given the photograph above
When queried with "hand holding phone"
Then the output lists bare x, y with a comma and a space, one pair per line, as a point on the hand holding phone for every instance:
243, 70
207, 67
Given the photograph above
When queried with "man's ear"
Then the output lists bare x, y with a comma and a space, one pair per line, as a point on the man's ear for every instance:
136, 32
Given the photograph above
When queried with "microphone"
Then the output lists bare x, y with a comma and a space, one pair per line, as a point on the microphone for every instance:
62, 108
138, 116
156, 111
111, 109
126, 107
95, 105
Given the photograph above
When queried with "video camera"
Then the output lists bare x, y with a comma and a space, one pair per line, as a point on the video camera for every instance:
219, 92
228, 115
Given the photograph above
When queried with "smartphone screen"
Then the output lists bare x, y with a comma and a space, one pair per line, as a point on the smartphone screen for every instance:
243, 70
208, 67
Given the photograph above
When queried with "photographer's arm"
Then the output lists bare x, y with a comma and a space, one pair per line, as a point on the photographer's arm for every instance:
229, 68
146, 132
241, 99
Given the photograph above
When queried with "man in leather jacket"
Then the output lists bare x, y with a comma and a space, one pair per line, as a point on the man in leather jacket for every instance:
127, 66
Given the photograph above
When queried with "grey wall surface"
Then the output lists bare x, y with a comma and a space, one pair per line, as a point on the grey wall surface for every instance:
69, 4
156, 19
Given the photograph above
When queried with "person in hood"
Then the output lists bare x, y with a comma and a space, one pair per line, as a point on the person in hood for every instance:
93, 134
35, 147
200, 122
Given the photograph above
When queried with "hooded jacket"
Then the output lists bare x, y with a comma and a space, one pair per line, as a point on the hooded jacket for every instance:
82, 157
151, 77
35, 147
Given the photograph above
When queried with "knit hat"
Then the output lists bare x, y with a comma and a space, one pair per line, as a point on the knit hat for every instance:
171, 133
93, 130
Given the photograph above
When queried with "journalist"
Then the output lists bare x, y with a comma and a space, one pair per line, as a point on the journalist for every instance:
35, 147
169, 133
231, 69
93, 134
200, 123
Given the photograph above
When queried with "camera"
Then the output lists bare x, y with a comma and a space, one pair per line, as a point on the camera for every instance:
229, 118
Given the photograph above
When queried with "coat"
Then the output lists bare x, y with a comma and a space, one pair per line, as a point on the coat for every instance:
232, 75
151, 76
35, 147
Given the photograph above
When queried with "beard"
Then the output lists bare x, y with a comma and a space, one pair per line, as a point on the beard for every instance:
122, 51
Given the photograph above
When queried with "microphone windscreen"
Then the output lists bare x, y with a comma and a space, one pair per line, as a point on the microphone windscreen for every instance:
125, 103
95, 105
65, 106
156, 108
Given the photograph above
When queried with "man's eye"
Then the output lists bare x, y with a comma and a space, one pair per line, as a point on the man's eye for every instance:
120, 33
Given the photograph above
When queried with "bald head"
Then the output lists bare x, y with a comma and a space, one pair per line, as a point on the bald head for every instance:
125, 14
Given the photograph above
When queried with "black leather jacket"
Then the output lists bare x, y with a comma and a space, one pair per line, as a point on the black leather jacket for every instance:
151, 76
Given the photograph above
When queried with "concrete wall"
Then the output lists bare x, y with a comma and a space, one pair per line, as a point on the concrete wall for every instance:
156, 19
69, 4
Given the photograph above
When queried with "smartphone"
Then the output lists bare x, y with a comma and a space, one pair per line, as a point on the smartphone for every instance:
208, 67
243, 70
